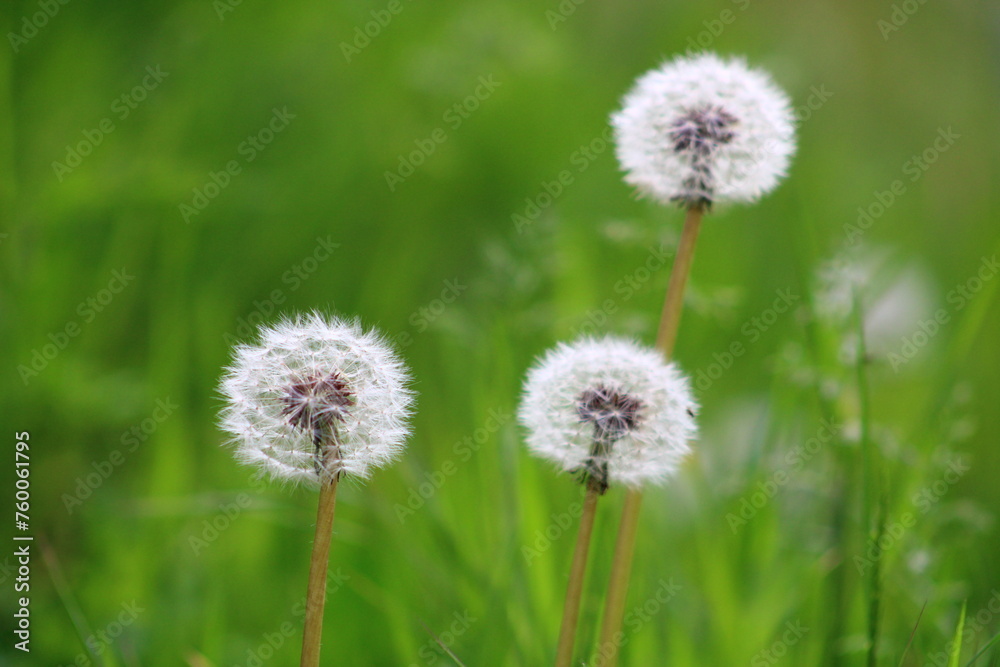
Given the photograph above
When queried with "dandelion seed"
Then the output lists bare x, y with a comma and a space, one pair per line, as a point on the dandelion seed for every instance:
608, 411
702, 129
316, 397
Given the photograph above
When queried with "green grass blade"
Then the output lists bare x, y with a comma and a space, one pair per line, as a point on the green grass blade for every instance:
983, 650
956, 642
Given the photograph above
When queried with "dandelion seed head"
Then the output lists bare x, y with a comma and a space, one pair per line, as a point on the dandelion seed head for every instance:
609, 411
316, 396
702, 129
893, 295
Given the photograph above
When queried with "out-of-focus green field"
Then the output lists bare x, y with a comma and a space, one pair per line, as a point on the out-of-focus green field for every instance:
279, 139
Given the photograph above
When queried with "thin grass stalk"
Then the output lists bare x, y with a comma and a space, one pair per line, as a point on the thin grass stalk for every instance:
666, 336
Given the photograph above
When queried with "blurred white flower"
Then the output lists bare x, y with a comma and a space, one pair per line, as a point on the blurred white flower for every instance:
893, 297
847, 275
609, 411
701, 129
314, 397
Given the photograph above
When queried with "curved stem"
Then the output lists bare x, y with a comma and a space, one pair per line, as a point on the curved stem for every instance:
571, 610
666, 336
316, 593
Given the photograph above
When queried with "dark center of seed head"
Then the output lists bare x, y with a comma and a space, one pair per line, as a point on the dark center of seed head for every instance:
314, 403
698, 133
612, 413
701, 130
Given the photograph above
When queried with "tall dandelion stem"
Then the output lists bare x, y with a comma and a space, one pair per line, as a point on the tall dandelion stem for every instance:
621, 572
571, 610
316, 593
666, 336
670, 317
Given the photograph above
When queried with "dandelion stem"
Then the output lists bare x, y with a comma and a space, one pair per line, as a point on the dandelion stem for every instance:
621, 566
316, 595
621, 571
670, 318
571, 610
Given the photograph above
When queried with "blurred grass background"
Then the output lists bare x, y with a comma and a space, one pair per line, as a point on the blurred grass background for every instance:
457, 565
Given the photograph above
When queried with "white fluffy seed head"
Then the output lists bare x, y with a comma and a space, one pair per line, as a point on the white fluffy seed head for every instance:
872, 282
701, 129
316, 396
609, 410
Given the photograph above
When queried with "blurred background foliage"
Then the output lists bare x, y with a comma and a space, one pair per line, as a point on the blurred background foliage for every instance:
217, 562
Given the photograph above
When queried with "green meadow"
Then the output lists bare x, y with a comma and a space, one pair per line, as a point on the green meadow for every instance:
175, 173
